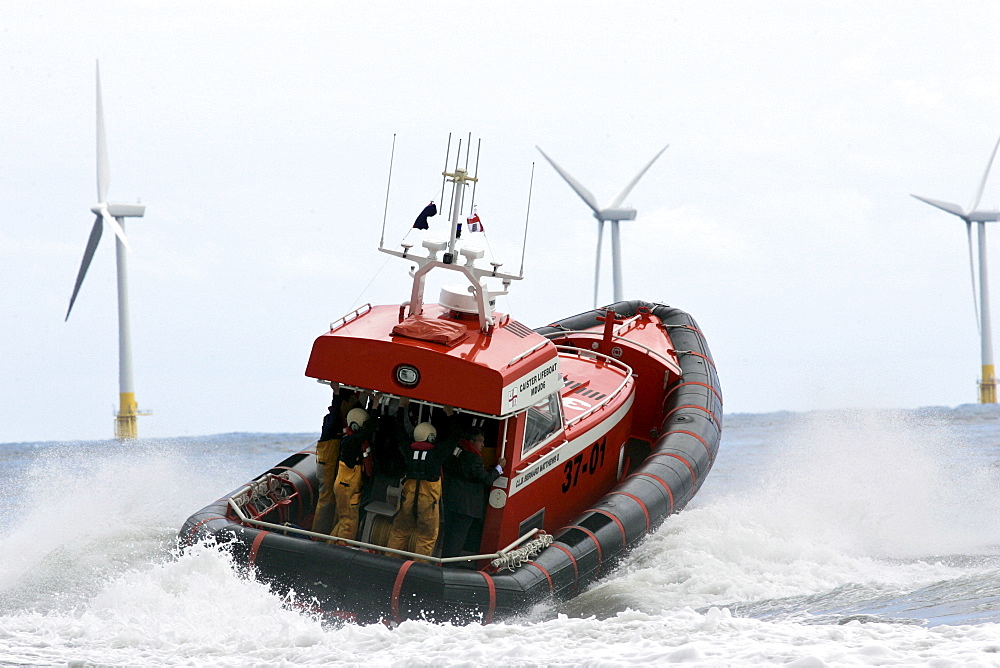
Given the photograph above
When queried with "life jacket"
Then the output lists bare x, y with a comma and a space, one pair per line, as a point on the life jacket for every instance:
355, 450
422, 464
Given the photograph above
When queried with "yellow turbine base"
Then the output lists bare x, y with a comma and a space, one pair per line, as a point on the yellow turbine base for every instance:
126, 426
988, 386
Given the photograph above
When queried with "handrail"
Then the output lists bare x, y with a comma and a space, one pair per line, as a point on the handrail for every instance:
673, 365
356, 313
628, 325
527, 352
371, 546
390, 395
555, 335
583, 352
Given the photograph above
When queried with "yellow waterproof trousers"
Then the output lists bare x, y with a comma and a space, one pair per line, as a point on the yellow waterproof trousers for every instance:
418, 515
327, 454
348, 496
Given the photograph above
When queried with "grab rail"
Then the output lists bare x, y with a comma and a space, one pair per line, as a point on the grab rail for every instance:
527, 352
583, 352
669, 362
370, 546
356, 313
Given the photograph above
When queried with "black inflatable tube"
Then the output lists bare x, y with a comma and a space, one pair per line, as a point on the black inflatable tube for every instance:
371, 587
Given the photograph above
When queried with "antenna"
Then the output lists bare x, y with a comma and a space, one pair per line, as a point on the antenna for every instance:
988, 382
468, 149
475, 175
524, 242
612, 213
385, 212
444, 179
451, 199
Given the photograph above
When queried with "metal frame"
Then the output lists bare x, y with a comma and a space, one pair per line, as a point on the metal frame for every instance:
370, 546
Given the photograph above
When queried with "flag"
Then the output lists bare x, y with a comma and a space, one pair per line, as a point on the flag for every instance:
421, 221
475, 225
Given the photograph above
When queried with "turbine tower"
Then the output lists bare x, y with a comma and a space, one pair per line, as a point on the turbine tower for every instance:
113, 215
988, 383
613, 213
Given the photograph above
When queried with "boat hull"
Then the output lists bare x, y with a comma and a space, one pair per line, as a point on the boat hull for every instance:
368, 586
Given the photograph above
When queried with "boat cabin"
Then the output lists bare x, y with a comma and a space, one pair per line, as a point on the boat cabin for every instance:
558, 418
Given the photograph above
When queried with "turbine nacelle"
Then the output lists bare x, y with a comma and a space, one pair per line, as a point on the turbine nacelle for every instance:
974, 216
984, 216
121, 209
615, 214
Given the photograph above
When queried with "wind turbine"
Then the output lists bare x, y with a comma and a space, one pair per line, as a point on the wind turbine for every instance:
113, 215
988, 384
613, 213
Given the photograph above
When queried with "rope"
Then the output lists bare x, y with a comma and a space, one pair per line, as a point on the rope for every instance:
515, 558
365, 289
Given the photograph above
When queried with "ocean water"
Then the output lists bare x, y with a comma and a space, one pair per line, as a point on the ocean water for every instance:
827, 538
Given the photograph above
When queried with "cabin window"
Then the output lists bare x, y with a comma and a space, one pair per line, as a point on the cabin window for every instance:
542, 421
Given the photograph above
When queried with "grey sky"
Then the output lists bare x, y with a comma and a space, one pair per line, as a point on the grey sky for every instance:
258, 134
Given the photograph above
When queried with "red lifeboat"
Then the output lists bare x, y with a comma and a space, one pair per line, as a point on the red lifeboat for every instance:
606, 423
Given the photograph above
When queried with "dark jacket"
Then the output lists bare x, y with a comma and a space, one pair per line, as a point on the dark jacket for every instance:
352, 446
465, 483
335, 421
333, 424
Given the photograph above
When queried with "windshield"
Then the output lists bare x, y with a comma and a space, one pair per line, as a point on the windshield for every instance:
542, 421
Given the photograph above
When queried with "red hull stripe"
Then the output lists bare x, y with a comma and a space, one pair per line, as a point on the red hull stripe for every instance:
701, 408
304, 479
256, 546
645, 510
597, 544
621, 527
694, 478
545, 573
691, 433
493, 597
576, 570
704, 357
195, 527
396, 588
666, 487
691, 382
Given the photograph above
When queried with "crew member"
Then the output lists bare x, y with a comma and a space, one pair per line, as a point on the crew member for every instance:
355, 464
328, 457
419, 510
464, 498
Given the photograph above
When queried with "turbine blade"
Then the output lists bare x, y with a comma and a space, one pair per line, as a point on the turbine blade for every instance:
116, 226
624, 193
584, 194
986, 174
972, 272
88, 255
944, 206
597, 262
103, 171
